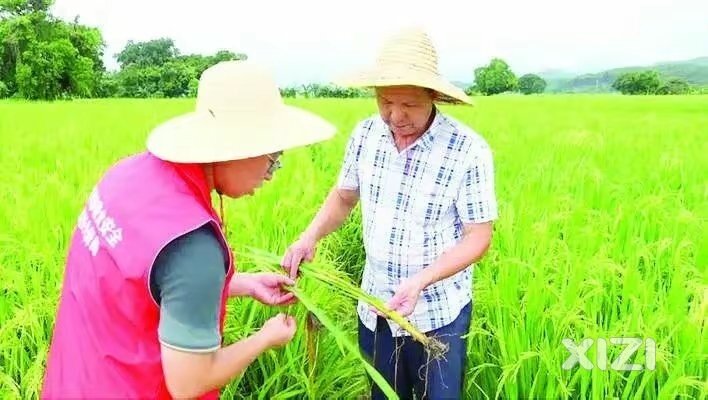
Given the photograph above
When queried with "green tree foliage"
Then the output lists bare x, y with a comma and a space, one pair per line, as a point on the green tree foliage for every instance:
650, 82
531, 83
24, 7
153, 53
320, 90
674, 86
495, 78
155, 68
42, 57
51, 69
643, 82
693, 71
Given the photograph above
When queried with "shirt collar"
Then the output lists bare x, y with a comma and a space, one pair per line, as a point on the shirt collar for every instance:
426, 140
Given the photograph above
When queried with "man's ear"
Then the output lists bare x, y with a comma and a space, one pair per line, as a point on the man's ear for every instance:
434, 95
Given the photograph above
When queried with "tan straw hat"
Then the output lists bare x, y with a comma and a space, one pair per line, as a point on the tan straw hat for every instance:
239, 114
407, 58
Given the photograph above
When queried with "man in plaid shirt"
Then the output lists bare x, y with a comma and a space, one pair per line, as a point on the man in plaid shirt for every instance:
426, 186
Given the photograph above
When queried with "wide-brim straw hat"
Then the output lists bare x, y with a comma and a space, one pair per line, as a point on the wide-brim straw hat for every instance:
239, 114
408, 58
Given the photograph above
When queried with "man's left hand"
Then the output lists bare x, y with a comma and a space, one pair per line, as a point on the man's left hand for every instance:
264, 287
406, 296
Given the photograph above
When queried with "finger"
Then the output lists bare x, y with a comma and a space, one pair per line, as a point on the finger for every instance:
395, 306
286, 259
283, 280
310, 255
295, 264
285, 298
375, 310
403, 311
396, 298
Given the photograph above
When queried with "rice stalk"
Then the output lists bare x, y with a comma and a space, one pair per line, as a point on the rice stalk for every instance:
343, 286
344, 342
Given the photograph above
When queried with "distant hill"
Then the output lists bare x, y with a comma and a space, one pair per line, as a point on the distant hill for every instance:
556, 74
461, 85
694, 71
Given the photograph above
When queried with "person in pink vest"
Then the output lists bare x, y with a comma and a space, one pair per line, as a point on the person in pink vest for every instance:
149, 271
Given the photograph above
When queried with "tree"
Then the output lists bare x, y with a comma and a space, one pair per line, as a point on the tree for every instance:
225, 55
642, 82
155, 68
15, 8
108, 85
175, 78
288, 92
154, 52
531, 83
674, 86
136, 81
495, 78
200, 63
42, 57
50, 70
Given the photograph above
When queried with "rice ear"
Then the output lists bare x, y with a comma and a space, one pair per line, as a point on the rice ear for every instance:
344, 286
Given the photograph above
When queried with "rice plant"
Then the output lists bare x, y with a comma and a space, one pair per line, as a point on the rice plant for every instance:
603, 211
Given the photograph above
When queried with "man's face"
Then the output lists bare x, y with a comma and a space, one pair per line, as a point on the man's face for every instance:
405, 109
242, 177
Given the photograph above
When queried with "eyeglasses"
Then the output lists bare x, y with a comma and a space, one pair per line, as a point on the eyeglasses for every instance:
274, 164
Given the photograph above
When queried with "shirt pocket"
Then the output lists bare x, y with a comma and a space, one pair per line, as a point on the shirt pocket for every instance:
431, 201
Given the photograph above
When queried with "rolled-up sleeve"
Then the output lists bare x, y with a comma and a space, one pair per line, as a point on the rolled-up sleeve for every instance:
476, 201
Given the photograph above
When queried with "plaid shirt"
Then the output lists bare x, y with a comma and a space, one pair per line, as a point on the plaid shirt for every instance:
414, 204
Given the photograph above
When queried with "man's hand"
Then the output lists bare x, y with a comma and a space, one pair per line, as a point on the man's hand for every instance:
279, 330
406, 296
264, 287
334, 211
302, 250
190, 375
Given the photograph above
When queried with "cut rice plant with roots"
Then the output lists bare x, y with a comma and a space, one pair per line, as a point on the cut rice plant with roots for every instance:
342, 286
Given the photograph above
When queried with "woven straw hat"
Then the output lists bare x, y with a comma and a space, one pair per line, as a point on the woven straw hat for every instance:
239, 114
407, 58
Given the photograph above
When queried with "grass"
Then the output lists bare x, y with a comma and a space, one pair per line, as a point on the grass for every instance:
603, 205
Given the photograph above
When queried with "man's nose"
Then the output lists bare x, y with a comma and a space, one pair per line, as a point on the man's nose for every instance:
397, 115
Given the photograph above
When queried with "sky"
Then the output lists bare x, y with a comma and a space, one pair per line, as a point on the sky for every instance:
316, 40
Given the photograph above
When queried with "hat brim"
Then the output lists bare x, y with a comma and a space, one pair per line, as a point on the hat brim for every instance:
202, 137
383, 77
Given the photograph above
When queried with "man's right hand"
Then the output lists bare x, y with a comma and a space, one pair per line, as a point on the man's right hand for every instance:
302, 250
190, 375
279, 330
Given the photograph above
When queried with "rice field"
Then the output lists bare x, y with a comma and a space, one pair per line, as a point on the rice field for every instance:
603, 210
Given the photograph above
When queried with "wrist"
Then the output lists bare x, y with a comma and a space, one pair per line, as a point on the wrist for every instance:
240, 285
263, 340
426, 277
310, 235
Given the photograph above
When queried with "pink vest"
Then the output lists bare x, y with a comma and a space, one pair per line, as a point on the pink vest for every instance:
105, 340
